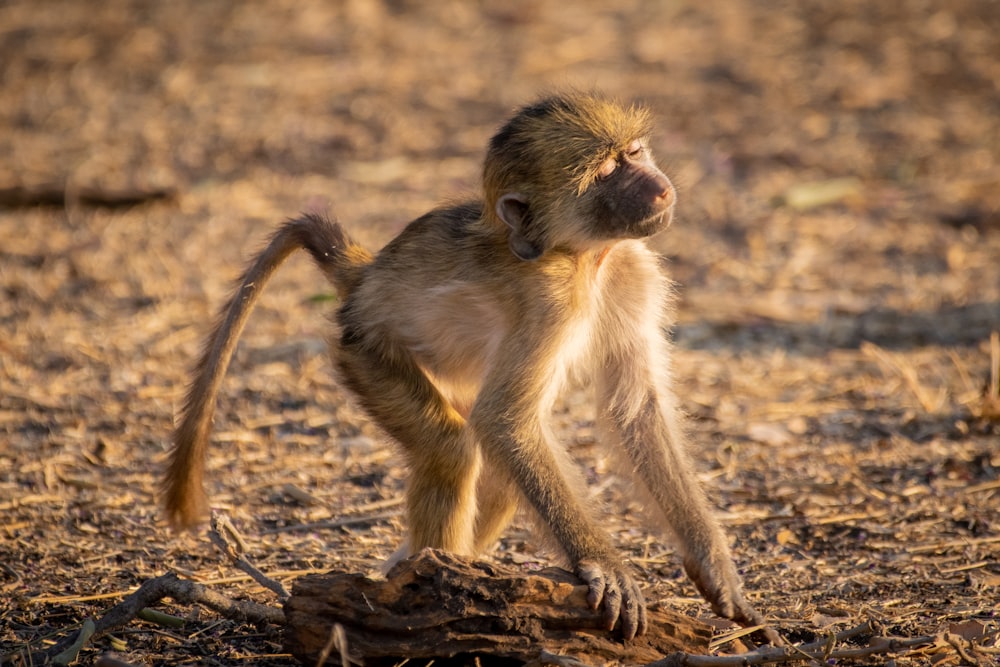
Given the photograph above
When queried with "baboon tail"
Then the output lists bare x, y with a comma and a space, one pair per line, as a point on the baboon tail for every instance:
341, 260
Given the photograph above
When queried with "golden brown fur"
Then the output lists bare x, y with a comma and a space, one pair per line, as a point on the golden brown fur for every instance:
459, 335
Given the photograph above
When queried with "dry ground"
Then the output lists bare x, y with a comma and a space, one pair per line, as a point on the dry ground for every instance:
837, 253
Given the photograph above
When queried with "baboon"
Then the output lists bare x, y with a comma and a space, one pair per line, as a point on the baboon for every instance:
457, 337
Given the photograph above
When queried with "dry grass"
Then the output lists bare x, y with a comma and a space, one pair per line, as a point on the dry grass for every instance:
834, 335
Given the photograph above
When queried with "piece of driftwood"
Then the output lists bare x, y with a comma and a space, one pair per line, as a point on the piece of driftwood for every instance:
436, 605
58, 194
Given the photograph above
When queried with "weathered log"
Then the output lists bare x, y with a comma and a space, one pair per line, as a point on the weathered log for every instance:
435, 605
58, 194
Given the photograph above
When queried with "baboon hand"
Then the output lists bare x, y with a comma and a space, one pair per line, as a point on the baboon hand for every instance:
614, 588
720, 584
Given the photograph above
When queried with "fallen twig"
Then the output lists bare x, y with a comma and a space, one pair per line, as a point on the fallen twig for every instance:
229, 541
953, 544
965, 649
332, 525
62, 194
337, 640
821, 651
68, 654
733, 635
152, 591
774, 656
159, 618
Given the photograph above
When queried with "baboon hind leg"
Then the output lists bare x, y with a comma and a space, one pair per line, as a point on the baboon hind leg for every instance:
443, 459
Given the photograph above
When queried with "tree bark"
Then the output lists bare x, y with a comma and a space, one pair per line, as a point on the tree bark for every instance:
435, 605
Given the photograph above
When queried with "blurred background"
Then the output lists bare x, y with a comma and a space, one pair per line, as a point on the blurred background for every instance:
768, 112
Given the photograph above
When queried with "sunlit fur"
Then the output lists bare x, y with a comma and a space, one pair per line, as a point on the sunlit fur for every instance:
459, 335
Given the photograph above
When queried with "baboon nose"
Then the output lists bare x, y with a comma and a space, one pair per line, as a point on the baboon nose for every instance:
665, 192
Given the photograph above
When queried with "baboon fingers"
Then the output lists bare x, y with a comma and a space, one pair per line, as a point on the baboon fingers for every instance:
612, 603
747, 616
618, 593
633, 610
726, 597
593, 576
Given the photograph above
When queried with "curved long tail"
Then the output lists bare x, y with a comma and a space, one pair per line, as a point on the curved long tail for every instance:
341, 261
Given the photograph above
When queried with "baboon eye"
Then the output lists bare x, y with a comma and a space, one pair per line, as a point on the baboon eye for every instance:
634, 149
607, 168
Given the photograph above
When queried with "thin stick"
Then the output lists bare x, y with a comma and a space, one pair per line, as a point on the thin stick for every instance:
964, 568
735, 634
337, 640
71, 652
386, 503
282, 574
332, 525
160, 618
229, 541
840, 518
151, 591
62, 599
962, 646
952, 544
985, 486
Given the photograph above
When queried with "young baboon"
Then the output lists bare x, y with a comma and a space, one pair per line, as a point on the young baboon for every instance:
458, 336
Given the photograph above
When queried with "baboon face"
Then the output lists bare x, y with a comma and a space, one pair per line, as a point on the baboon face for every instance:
629, 197
573, 171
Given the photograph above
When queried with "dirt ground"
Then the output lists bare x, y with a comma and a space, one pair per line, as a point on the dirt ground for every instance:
837, 253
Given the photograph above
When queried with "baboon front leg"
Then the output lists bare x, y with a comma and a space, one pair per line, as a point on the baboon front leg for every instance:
642, 413
515, 441
443, 459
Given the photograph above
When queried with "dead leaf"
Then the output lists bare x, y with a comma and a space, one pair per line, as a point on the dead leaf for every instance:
970, 630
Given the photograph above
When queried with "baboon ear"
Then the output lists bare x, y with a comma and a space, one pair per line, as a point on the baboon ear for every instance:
513, 209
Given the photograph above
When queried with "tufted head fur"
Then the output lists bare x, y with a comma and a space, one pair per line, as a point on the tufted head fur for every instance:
541, 165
